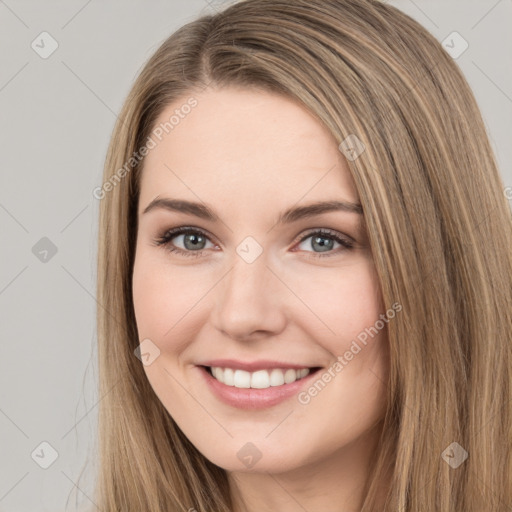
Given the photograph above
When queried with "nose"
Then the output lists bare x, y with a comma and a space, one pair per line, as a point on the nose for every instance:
250, 301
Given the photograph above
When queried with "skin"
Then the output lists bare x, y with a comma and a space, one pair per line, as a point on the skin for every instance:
250, 155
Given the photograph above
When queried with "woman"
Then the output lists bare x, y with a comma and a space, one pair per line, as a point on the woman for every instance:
242, 368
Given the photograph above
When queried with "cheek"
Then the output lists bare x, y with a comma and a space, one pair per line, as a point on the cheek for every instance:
163, 296
336, 303
341, 302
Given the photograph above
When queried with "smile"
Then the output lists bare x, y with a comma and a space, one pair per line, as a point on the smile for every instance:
260, 379
260, 385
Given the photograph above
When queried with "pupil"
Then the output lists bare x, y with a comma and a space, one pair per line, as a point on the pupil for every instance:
323, 246
194, 238
197, 239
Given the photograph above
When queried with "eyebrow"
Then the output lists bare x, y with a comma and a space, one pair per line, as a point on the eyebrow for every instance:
293, 214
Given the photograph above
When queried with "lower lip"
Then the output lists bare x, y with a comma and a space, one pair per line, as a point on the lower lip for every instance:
251, 398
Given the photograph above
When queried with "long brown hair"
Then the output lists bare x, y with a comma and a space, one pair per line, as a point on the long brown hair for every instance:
439, 228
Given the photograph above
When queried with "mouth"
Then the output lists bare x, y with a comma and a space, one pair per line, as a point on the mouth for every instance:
256, 384
260, 379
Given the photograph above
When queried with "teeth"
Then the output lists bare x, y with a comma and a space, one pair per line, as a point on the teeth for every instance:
242, 379
229, 377
218, 373
260, 379
276, 377
303, 372
290, 376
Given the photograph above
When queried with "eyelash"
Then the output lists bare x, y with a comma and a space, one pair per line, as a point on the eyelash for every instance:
165, 241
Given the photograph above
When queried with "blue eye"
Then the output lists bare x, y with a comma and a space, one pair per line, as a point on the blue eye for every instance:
194, 241
332, 237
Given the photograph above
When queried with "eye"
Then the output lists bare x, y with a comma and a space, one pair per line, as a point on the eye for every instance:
324, 240
193, 240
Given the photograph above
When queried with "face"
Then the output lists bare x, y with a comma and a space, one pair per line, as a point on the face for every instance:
279, 305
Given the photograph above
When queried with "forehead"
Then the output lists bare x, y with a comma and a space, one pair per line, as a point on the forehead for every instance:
255, 142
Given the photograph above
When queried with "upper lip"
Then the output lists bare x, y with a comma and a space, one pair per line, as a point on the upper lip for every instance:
251, 366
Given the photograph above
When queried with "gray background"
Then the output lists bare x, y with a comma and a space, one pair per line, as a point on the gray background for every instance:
57, 115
